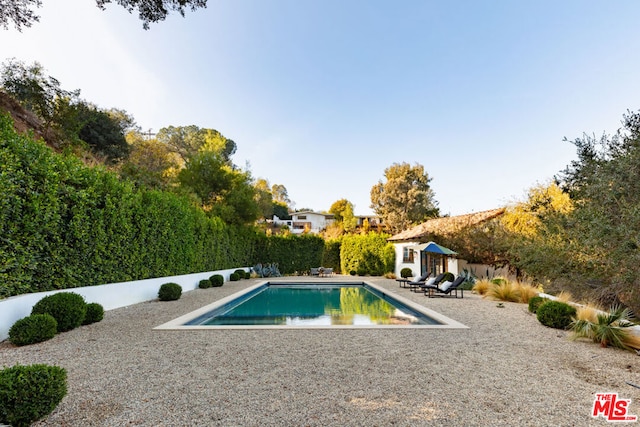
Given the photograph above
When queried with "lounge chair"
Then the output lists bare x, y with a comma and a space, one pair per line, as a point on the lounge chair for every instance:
445, 289
314, 271
404, 282
434, 281
326, 271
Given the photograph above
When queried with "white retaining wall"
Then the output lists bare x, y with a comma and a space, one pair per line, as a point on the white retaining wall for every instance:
110, 296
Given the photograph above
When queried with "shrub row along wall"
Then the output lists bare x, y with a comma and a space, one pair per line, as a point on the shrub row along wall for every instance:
110, 296
64, 225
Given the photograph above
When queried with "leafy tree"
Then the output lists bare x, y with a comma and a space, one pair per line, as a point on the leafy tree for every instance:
342, 211
36, 91
338, 207
281, 210
406, 197
535, 235
189, 140
102, 132
150, 163
155, 10
223, 190
280, 194
238, 205
123, 120
263, 198
20, 12
349, 221
605, 185
207, 175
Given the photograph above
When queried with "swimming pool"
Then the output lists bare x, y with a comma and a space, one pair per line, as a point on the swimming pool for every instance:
311, 305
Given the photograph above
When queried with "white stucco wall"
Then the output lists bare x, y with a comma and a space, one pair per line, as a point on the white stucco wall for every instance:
452, 263
414, 266
110, 296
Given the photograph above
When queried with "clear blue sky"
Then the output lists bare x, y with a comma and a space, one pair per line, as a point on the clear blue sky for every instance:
322, 96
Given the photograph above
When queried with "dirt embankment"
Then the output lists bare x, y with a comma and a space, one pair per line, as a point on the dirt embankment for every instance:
24, 120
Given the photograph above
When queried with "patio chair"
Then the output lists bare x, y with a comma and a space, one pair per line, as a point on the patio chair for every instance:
446, 289
404, 282
417, 286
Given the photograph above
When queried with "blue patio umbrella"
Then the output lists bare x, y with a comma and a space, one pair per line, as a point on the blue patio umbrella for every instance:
435, 248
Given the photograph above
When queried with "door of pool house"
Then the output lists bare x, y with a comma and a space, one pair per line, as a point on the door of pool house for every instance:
435, 263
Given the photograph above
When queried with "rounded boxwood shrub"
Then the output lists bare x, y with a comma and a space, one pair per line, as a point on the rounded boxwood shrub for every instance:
448, 277
33, 329
555, 314
204, 284
240, 273
68, 308
169, 292
95, 313
28, 393
234, 277
406, 272
536, 302
216, 280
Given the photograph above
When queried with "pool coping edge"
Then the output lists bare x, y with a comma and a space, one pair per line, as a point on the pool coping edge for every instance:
179, 322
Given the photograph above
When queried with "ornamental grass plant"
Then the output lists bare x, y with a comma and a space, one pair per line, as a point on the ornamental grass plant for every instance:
588, 312
505, 291
564, 296
609, 328
527, 291
481, 286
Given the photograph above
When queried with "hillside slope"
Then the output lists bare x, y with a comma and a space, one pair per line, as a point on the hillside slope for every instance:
24, 120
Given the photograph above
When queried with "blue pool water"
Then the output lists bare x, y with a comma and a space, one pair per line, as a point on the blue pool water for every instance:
314, 305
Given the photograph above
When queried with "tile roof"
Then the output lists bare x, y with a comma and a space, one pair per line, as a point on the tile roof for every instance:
447, 224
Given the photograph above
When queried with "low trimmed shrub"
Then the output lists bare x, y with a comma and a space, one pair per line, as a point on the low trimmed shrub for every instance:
555, 314
216, 280
536, 302
448, 277
234, 277
28, 393
170, 292
95, 313
33, 329
204, 284
241, 273
68, 308
352, 273
406, 272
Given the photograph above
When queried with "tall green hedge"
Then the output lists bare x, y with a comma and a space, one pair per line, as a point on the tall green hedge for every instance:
367, 254
292, 253
331, 256
65, 225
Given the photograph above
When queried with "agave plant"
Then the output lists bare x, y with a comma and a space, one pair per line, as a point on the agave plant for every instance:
609, 329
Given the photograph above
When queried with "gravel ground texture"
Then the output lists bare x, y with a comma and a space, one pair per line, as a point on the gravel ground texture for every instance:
505, 370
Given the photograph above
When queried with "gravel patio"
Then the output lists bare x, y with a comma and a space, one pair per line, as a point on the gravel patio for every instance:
506, 369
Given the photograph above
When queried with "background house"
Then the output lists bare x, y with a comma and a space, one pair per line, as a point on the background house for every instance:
315, 222
414, 247
312, 222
